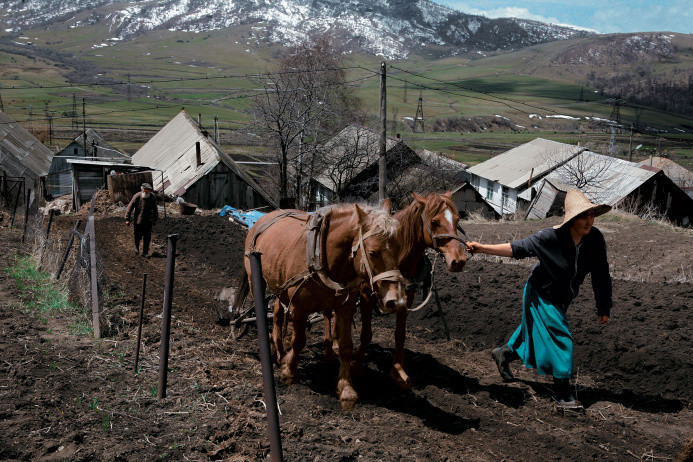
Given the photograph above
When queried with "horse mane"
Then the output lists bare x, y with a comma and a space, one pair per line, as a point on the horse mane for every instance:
380, 222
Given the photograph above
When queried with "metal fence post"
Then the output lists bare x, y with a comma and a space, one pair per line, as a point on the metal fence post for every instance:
139, 327
166, 315
267, 373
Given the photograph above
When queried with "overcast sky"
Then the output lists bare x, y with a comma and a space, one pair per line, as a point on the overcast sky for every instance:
602, 16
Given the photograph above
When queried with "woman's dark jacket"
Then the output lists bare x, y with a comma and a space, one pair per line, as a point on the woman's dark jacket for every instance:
563, 266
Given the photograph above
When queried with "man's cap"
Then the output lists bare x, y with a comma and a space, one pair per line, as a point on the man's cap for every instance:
146, 186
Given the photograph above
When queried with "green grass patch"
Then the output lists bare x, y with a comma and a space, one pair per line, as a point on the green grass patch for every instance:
42, 298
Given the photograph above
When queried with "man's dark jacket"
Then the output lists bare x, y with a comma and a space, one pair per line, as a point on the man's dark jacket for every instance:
563, 266
142, 211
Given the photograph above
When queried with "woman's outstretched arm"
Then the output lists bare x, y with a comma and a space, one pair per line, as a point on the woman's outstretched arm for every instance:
501, 250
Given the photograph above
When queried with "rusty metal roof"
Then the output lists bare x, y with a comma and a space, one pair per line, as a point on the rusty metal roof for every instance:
21, 154
173, 151
513, 168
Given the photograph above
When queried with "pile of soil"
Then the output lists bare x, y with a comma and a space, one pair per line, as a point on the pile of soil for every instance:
103, 205
68, 397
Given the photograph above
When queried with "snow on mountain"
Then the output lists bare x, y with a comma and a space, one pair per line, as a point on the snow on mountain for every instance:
392, 28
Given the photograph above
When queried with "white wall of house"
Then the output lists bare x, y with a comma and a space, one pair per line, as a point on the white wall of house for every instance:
501, 197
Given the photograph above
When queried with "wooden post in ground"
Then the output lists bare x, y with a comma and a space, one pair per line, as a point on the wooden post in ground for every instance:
166, 315
91, 235
67, 250
26, 214
16, 203
139, 326
51, 214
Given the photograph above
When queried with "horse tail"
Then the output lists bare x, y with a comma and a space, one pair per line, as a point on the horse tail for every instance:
241, 292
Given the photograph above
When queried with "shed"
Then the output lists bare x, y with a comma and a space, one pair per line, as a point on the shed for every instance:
617, 182
88, 176
22, 156
197, 169
468, 201
676, 173
59, 179
548, 201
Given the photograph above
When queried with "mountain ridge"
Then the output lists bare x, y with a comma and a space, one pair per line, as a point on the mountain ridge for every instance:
391, 28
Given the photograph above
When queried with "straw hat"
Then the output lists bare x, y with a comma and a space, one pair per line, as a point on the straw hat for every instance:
576, 203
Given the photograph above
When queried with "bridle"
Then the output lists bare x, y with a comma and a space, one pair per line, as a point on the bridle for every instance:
394, 276
435, 237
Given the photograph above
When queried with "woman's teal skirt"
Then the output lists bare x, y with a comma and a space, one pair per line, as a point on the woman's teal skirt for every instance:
543, 340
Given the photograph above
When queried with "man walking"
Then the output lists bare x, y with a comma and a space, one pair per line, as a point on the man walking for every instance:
143, 214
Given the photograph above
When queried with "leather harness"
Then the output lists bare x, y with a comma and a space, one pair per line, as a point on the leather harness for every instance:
315, 253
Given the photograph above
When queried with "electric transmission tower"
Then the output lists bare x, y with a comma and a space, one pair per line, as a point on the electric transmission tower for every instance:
616, 110
418, 118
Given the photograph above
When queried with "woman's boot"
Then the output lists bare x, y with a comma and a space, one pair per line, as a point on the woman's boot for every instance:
502, 356
563, 393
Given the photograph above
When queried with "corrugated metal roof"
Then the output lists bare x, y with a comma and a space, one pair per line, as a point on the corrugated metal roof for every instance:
513, 168
173, 150
356, 148
21, 154
609, 179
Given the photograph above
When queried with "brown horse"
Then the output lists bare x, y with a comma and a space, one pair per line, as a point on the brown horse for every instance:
356, 246
428, 222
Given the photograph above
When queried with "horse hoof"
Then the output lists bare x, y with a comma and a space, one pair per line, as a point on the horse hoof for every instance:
287, 376
403, 383
357, 369
347, 405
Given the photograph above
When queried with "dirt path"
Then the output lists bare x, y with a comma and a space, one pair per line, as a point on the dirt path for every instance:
68, 397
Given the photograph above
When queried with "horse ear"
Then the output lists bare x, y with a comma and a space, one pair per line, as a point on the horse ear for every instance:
363, 216
418, 198
387, 206
448, 194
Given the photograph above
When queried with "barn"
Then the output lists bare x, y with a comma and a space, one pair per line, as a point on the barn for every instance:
23, 158
191, 165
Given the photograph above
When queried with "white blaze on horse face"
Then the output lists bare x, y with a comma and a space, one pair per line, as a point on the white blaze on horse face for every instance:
448, 215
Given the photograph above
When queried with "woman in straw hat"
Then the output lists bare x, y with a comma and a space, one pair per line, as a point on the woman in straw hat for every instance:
566, 253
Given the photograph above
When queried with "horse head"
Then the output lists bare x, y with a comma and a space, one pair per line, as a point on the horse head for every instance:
376, 256
440, 218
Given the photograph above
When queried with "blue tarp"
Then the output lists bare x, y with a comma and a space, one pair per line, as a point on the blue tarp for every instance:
246, 218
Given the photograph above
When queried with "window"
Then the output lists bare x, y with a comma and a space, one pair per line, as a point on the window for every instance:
504, 196
489, 190
475, 181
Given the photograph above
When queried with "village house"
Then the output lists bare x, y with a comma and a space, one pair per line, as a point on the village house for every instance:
501, 179
191, 165
677, 173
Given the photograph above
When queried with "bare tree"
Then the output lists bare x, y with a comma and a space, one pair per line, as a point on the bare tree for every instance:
301, 104
589, 172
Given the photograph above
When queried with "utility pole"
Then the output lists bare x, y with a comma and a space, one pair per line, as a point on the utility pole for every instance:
638, 113
129, 89
419, 114
75, 124
2, 106
84, 125
31, 118
404, 100
630, 144
216, 129
382, 166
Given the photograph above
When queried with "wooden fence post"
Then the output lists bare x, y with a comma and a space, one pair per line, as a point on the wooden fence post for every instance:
166, 315
26, 214
67, 250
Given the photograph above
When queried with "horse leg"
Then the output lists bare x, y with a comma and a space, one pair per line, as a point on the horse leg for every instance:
327, 343
397, 373
366, 308
345, 389
289, 369
278, 331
